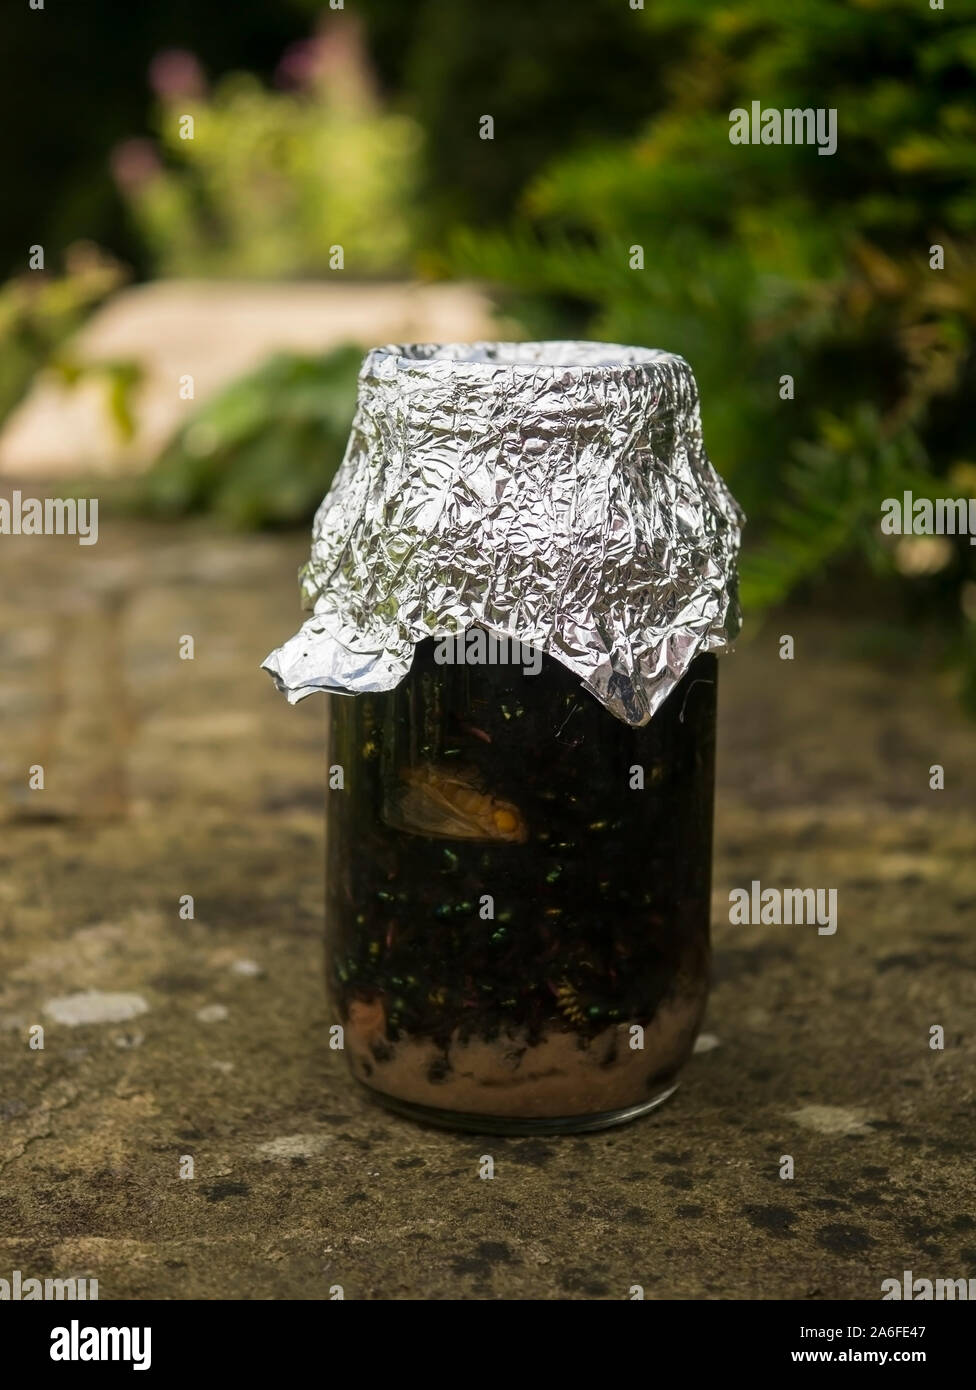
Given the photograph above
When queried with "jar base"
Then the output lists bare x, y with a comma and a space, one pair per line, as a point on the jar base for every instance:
515, 1125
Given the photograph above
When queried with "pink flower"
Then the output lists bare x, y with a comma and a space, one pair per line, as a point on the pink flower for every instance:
134, 163
334, 60
176, 73
299, 64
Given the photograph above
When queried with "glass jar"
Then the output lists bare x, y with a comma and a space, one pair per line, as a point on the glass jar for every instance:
519, 837
518, 890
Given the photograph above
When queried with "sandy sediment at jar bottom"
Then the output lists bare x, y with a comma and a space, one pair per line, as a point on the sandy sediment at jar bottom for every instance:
562, 1074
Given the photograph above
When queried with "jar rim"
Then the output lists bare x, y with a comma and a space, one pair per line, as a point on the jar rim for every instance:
552, 355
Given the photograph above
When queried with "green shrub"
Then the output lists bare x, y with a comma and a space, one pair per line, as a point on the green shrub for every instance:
767, 261
262, 452
40, 310
271, 181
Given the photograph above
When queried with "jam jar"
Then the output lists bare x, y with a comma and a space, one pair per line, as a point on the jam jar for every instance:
517, 893
518, 584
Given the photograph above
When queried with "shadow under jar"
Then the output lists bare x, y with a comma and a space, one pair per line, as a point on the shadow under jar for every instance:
518, 890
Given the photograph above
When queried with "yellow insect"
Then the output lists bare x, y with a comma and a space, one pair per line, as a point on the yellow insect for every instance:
448, 803
567, 1001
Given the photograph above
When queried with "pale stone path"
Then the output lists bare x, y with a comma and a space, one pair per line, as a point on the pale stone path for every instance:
212, 332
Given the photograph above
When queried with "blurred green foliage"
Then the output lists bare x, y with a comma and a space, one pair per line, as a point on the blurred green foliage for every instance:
39, 310
551, 73
765, 261
611, 132
119, 379
271, 181
262, 452
90, 66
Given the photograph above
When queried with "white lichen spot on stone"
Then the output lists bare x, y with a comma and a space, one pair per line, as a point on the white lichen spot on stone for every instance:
92, 1006
212, 1013
831, 1119
295, 1146
246, 967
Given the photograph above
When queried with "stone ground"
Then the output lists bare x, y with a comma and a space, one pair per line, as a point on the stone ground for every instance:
166, 777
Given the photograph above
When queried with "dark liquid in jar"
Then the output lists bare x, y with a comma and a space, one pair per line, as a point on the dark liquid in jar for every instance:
505, 904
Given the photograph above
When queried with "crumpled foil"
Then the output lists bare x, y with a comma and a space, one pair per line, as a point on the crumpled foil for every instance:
554, 493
